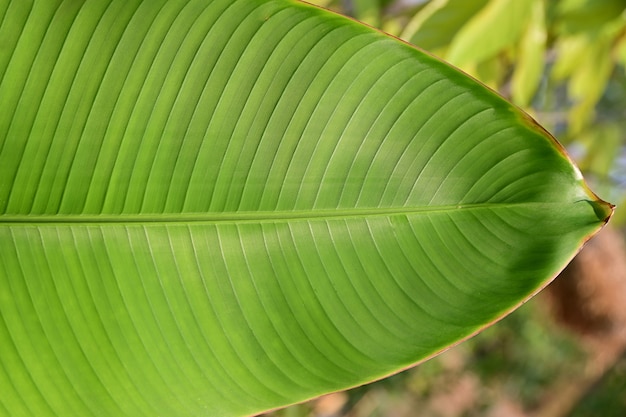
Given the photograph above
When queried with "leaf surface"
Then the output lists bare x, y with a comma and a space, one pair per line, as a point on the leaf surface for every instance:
222, 207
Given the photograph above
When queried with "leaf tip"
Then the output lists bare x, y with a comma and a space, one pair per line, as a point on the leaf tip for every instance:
604, 210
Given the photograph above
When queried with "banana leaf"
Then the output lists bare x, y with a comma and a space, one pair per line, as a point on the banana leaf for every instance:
217, 207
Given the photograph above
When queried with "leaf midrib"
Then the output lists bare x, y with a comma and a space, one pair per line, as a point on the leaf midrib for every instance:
259, 216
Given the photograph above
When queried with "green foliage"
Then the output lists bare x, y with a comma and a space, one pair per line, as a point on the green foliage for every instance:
531, 57
607, 397
438, 23
222, 207
506, 20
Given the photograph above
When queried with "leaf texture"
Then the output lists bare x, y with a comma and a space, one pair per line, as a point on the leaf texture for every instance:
215, 208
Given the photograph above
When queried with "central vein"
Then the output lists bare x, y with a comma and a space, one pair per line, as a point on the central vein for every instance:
249, 216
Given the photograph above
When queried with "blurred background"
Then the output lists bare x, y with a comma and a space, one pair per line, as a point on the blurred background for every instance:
563, 354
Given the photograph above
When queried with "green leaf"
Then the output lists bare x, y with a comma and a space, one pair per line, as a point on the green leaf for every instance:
491, 72
587, 15
530, 63
620, 51
588, 55
214, 208
435, 25
589, 80
602, 146
368, 11
498, 25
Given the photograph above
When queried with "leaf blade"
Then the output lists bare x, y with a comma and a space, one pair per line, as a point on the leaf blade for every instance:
248, 217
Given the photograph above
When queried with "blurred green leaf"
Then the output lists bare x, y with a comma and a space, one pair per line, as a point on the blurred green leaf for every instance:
367, 11
588, 82
531, 57
491, 71
620, 50
571, 55
586, 61
575, 16
438, 22
604, 143
498, 25
602, 147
